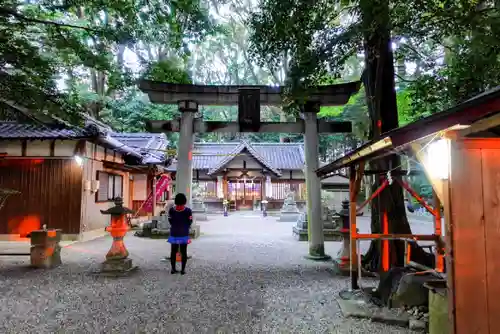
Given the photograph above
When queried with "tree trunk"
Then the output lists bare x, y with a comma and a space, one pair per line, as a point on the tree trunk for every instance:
381, 100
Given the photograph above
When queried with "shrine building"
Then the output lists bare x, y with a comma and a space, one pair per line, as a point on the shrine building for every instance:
245, 173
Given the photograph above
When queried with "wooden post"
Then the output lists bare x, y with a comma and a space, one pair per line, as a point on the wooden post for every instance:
353, 228
438, 231
385, 243
154, 196
450, 271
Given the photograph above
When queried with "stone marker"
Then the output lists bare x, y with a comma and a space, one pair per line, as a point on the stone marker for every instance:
199, 210
289, 211
45, 250
411, 291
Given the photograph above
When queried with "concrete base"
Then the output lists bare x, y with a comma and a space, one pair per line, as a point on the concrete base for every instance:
360, 309
117, 267
318, 257
289, 216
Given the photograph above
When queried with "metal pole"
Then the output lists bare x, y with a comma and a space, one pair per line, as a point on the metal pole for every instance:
154, 196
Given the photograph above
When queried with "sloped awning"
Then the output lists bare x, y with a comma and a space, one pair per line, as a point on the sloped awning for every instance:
397, 140
238, 149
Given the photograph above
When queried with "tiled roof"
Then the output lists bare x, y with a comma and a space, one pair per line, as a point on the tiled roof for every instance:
13, 130
238, 149
279, 156
151, 146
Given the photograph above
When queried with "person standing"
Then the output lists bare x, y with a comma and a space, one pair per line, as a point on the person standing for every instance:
180, 218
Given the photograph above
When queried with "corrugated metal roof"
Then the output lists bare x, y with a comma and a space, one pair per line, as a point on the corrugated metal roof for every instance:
13, 130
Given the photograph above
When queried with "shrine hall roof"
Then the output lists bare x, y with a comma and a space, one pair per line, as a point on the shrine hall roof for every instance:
274, 156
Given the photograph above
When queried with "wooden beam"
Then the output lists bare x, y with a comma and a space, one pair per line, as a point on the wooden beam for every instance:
168, 93
249, 109
481, 125
359, 178
437, 184
201, 126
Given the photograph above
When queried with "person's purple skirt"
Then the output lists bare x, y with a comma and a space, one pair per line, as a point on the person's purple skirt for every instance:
178, 240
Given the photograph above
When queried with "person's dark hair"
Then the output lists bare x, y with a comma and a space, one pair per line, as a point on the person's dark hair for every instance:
180, 199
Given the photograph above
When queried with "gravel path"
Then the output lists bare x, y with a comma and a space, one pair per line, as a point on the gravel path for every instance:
247, 275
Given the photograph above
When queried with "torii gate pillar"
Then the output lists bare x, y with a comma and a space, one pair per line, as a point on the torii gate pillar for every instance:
184, 176
313, 183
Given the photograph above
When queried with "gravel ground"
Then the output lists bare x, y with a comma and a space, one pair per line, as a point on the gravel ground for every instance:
247, 275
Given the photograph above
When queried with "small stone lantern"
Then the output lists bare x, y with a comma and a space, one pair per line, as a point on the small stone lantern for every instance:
117, 260
344, 256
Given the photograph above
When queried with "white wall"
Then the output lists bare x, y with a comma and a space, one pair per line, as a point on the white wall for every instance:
38, 148
92, 219
140, 187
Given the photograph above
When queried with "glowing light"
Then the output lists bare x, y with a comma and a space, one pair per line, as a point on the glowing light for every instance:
438, 159
79, 160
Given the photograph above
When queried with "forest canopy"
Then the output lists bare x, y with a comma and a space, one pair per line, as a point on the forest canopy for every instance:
65, 57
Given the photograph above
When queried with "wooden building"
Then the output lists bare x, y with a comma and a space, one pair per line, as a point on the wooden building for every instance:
66, 175
246, 173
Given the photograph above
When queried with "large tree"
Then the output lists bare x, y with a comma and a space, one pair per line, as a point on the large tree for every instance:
322, 36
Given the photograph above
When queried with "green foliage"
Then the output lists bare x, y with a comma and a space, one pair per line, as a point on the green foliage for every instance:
405, 110
85, 43
454, 46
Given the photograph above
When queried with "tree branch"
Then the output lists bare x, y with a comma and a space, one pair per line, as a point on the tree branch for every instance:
403, 79
8, 12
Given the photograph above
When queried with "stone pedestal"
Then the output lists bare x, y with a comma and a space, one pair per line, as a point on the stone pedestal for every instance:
162, 223
199, 210
117, 265
289, 212
343, 259
45, 249
331, 228
149, 230
300, 229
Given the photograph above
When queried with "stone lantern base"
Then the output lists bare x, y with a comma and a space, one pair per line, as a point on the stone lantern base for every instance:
117, 267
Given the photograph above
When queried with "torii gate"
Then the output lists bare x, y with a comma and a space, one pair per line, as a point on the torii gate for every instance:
249, 100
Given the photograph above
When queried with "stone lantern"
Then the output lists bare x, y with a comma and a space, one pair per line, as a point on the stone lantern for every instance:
117, 260
344, 256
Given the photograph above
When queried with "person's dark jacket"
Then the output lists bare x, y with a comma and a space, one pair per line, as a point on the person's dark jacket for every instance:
180, 221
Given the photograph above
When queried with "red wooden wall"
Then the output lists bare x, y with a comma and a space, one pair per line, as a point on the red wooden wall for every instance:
51, 194
474, 229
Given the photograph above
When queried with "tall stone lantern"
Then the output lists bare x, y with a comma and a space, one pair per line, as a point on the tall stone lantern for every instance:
344, 256
117, 260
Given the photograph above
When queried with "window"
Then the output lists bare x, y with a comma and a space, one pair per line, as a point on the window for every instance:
110, 187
